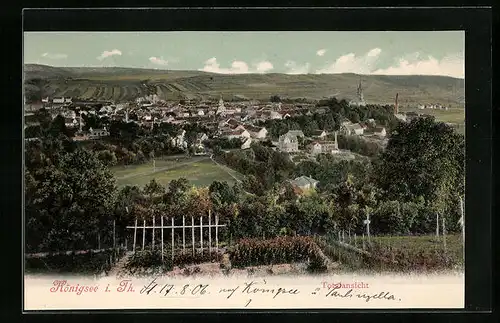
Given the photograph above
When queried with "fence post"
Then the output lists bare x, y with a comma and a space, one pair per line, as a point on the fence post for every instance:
355, 241
114, 234
217, 232
135, 235
444, 233
209, 232
364, 241
192, 233
201, 234
184, 233
98, 241
143, 234
173, 240
153, 244
161, 219
437, 225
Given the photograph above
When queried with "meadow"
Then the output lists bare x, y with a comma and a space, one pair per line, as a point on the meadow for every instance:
199, 171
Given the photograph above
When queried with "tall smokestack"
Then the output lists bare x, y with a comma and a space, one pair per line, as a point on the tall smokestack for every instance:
396, 104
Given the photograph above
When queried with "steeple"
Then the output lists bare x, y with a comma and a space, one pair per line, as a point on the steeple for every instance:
360, 91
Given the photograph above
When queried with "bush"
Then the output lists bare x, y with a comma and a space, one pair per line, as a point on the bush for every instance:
256, 252
86, 262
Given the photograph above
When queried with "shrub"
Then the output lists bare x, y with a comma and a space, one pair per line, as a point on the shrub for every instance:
255, 252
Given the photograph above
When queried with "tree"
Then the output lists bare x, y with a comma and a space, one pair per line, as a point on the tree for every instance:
153, 188
69, 203
423, 158
275, 98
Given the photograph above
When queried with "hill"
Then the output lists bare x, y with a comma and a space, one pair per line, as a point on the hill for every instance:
122, 84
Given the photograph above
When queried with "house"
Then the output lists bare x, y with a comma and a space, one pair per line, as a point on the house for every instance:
179, 140
98, 133
297, 133
58, 100
247, 143
325, 147
305, 182
401, 117
288, 143
233, 134
351, 129
320, 134
316, 148
70, 122
257, 132
201, 113
380, 132
275, 115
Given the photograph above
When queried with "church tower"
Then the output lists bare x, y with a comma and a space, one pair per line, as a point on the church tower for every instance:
221, 108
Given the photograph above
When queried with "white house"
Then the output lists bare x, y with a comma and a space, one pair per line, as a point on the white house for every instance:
320, 134
380, 131
288, 143
352, 129
233, 134
297, 133
316, 148
201, 112
305, 182
275, 115
179, 140
59, 100
98, 133
247, 143
257, 132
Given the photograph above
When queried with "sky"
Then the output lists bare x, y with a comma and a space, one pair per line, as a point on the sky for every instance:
292, 52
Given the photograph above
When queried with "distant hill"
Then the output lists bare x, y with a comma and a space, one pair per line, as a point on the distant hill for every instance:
122, 84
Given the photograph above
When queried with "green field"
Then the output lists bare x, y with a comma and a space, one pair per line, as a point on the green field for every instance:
198, 171
453, 115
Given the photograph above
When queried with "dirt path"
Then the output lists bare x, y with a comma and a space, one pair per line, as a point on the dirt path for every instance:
118, 267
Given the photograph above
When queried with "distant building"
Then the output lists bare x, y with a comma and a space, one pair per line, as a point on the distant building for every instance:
305, 183
98, 133
247, 143
325, 147
359, 100
257, 132
233, 134
320, 134
288, 143
380, 132
351, 129
297, 133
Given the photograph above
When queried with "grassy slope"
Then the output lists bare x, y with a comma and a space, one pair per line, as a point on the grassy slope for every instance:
378, 89
199, 173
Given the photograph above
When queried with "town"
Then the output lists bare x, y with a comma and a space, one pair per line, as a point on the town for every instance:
249, 162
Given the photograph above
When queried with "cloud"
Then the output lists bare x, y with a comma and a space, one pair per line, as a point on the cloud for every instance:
294, 68
350, 63
374, 52
106, 54
158, 61
54, 56
237, 67
321, 52
408, 64
450, 65
264, 66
